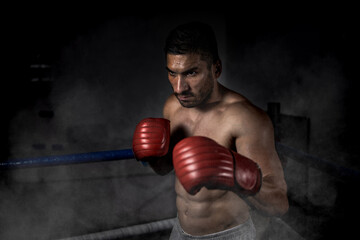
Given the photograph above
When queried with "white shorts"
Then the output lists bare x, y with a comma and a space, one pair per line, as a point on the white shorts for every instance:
245, 231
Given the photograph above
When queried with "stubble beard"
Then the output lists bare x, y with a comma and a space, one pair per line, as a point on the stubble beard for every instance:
197, 99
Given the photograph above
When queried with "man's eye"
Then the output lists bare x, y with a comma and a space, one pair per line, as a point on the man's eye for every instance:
191, 74
171, 74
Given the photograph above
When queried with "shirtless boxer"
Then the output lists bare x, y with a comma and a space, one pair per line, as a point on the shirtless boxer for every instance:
219, 144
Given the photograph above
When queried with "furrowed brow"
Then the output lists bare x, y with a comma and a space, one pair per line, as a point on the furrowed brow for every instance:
193, 69
169, 70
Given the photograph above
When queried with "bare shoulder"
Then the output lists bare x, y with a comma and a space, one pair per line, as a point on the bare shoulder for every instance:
245, 117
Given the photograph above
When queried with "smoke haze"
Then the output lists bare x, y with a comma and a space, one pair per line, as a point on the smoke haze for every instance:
108, 74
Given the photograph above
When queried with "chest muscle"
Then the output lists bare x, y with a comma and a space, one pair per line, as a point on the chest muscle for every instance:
212, 125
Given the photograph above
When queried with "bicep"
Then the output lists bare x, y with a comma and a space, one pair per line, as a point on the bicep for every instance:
256, 141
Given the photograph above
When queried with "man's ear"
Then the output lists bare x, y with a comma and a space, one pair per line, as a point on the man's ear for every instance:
218, 68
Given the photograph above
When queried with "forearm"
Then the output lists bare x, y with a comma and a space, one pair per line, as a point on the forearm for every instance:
162, 165
272, 199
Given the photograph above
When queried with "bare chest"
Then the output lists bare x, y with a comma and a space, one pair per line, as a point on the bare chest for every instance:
212, 125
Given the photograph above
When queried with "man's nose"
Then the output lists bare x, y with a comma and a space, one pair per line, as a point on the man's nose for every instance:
181, 84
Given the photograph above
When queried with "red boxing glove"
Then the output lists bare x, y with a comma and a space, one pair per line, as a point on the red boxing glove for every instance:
201, 162
151, 138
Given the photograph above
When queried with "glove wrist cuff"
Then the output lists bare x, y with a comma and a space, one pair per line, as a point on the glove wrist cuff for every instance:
247, 174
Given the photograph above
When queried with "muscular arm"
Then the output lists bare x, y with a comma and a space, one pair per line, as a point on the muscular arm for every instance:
164, 165
255, 140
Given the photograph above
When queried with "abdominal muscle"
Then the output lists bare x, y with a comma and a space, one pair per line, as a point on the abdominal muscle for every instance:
209, 211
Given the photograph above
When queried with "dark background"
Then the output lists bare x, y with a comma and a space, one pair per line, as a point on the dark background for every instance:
79, 80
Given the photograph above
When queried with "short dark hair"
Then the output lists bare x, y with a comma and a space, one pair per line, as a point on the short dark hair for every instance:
193, 37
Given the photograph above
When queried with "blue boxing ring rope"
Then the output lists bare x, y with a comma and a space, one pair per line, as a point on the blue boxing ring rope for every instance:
123, 154
69, 159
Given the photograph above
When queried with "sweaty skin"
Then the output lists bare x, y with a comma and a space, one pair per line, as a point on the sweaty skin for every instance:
201, 106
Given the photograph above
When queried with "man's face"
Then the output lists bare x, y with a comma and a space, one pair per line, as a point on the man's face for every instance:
191, 78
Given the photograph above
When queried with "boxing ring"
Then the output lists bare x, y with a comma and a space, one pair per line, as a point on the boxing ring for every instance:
166, 224
283, 225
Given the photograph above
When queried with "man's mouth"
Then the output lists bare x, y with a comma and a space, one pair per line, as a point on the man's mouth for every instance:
184, 97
